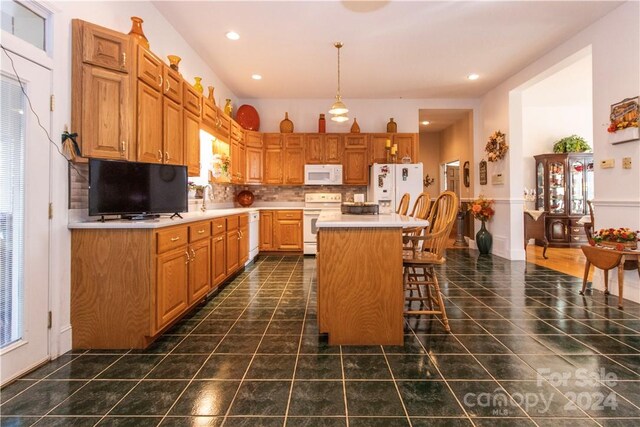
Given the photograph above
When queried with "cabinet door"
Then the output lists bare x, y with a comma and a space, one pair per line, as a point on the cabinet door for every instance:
293, 166
266, 230
233, 238
191, 99
254, 165
149, 124
172, 85
243, 245
242, 164
209, 114
150, 69
253, 139
272, 140
293, 140
273, 165
355, 141
288, 235
106, 114
172, 132
105, 48
171, 286
219, 259
407, 146
557, 230
313, 149
332, 149
378, 147
199, 270
356, 167
192, 142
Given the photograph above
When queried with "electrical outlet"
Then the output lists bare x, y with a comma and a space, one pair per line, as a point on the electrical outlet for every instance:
626, 163
607, 164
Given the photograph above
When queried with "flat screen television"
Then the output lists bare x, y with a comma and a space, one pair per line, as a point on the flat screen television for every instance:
131, 188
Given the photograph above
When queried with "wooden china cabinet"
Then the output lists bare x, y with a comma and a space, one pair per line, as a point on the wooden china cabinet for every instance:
564, 183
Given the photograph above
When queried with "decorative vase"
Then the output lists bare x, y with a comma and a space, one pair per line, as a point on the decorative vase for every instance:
136, 31
322, 124
174, 61
211, 98
484, 240
355, 127
198, 84
228, 108
286, 126
392, 127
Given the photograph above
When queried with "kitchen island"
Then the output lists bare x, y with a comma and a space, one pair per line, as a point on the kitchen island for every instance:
359, 265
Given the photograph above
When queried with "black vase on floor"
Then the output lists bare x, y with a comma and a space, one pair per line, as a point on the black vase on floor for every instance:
484, 240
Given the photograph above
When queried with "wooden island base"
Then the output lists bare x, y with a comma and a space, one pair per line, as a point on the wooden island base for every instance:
360, 294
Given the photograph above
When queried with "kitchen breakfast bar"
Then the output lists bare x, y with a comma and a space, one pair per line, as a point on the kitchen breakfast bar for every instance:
359, 265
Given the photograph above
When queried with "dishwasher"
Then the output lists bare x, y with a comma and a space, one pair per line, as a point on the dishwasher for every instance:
254, 235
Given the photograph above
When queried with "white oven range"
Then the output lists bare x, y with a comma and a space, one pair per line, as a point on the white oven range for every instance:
313, 204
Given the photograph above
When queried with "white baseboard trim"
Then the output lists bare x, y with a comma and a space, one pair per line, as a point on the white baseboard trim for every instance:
631, 290
64, 341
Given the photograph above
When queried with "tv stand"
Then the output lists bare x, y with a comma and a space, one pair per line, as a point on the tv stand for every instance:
140, 217
176, 214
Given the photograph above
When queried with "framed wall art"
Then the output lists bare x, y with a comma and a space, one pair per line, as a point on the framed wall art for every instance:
624, 121
483, 172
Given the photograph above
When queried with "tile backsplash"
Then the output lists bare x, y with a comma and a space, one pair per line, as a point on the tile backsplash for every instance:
222, 193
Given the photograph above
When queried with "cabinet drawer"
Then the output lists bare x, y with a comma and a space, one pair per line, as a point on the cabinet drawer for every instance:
219, 226
232, 223
244, 220
171, 239
289, 215
577, 230
199, 231
579, 239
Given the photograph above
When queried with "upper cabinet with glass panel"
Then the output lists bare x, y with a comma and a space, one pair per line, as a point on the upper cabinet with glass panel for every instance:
23, 23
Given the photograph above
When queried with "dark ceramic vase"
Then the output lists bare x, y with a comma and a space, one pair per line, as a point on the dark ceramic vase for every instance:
484, 240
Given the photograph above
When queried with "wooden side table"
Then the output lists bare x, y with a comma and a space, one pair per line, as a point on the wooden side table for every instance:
534, 229
606, 259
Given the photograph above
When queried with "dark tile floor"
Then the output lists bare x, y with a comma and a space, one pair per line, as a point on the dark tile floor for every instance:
526, 349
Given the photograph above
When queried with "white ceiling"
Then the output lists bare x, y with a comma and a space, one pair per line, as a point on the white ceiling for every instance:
440, 119
414, 49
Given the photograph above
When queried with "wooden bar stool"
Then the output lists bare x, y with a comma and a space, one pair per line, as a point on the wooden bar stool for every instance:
403, 206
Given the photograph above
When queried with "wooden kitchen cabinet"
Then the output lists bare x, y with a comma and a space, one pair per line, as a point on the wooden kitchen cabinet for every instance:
218, 259
172, 132
172, 84
266, 231
294, 166
377, 147
254, 165
355, 140
355, 167
233, 244
149, 124
171, 294
102, 47
273, 172
192, 142
191, 99
253, 139
322, 149
199, 270
243, 243
407, 146
288, 230
105, 128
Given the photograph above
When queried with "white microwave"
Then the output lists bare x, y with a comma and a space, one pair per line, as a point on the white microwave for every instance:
323, 174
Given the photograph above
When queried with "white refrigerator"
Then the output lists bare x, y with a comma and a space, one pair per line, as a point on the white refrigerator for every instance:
388, 182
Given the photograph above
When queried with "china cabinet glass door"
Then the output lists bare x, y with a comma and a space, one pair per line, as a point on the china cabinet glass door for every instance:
589, 179
577, 176
540, 186
556, 188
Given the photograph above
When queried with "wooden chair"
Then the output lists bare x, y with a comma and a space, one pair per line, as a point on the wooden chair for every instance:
420, 279
589, 226
420, 211
403, 206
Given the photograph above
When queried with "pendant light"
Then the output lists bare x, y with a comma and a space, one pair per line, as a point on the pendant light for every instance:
338, 109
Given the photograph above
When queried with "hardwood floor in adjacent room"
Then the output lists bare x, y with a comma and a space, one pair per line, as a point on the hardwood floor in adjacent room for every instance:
566, 260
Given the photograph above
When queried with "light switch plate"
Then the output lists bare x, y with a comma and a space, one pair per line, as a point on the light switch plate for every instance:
497, 179
626, 163
607, 164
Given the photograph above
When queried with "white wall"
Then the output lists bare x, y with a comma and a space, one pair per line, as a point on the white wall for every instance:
560, 105
430, 158
372, 114
164, 40
614, 43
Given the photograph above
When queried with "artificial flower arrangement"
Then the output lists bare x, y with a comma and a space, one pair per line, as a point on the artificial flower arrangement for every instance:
619, 238
496, 147
482, 209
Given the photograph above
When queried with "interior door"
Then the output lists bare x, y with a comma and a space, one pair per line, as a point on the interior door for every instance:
24, 222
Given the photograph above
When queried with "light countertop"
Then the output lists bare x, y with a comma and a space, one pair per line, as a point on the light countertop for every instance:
333, 219
166, 221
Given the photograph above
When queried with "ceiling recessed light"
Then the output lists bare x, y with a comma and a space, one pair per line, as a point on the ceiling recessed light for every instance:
425, 122
473, 76
232, 35
256, 77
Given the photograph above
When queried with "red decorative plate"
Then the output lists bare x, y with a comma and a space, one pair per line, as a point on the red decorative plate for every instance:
248, 117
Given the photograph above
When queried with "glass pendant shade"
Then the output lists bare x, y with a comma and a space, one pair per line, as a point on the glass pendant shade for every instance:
338, 107
340, 118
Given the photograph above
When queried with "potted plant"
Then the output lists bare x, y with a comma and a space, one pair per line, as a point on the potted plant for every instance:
618, 238
571, 144
482, 210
